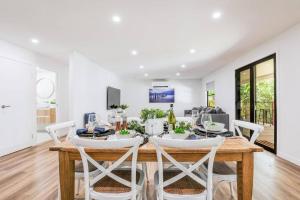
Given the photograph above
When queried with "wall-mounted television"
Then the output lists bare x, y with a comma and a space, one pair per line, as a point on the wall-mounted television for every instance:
161, 95
113, 97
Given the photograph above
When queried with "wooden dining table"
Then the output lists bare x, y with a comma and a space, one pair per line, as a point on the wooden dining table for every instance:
234, 149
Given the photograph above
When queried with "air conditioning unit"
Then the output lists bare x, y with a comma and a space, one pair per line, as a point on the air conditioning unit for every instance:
160, 83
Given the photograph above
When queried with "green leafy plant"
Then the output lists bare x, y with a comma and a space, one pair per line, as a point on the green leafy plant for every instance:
185, 125
160, 113
182, 127
123, 106
135, 125
179, 130
53, 101
124, 132
114, 106
211, 98
245, 100
264, 97
152, 113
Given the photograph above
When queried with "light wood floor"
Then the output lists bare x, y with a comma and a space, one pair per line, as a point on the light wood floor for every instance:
32, 174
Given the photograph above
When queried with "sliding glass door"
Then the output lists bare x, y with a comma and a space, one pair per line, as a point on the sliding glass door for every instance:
244, 93
256, 99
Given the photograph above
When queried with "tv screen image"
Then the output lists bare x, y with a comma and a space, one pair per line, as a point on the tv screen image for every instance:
161, 95
113, 97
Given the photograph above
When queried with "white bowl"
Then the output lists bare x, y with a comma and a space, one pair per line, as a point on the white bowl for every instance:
215, 126
178, 135
130, 135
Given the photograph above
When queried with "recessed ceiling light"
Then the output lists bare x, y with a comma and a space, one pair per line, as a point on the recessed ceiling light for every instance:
141, 66
35, 41
192, 51
116, 19
177, 74
134, 52
183, 66
216, 15
146, 74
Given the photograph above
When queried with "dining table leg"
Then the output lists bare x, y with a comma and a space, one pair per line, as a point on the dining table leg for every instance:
245, 177
66, 175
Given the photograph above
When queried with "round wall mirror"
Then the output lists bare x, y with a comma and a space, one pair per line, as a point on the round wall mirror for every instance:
45, 88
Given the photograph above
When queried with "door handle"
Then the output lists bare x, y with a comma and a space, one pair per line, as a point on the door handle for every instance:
5, 106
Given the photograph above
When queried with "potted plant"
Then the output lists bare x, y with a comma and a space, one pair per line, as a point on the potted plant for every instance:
125, 133
154, 120
123, 106
181, 131
114, 107
122, 109
135, 125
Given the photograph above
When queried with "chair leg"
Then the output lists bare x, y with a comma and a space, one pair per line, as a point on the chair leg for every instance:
231, 190
216, 188
78, 186
139, 197
145, 170
58, 192
145, 192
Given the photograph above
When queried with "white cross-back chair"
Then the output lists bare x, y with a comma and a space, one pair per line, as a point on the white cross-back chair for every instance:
56, 131
179, 119
226, 172
112, 183
184, 182
144, 164
256, 128
68, 129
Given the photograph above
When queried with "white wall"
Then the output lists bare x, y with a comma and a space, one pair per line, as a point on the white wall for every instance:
21, 55
88, 83
287, 48
135, 93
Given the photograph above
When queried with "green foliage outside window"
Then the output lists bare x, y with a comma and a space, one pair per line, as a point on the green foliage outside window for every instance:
264, 97
211, 98
245, 101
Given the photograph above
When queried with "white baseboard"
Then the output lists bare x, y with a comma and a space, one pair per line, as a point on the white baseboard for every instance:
42, 141
6, 151
289, 158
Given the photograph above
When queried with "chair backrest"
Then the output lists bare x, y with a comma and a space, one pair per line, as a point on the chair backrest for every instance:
256, 128
211, 144
132, 143
53, 130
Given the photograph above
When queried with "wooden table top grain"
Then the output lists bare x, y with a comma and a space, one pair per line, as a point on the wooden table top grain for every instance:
231, 145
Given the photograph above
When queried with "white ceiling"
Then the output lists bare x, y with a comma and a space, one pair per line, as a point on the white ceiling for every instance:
162, 31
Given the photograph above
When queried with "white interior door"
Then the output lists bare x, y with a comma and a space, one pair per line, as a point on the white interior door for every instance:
17, 105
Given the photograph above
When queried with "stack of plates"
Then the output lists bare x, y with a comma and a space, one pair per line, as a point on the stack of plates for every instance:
202, 132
